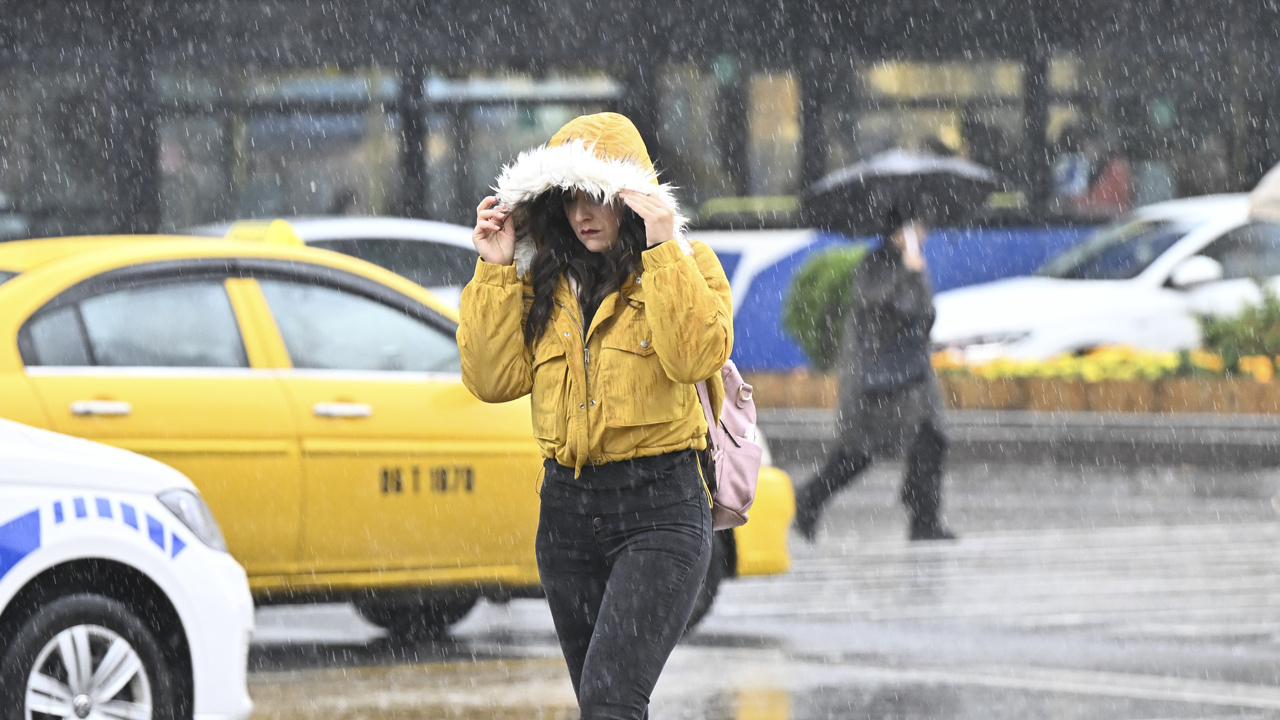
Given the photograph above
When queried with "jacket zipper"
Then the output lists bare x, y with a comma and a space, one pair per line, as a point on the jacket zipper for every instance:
586, 368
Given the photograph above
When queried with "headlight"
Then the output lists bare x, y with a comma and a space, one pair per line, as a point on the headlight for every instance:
193, 513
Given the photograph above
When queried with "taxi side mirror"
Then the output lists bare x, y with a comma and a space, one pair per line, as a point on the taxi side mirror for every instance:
1195, 270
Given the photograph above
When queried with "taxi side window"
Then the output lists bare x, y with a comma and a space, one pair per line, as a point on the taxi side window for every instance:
329, 329
58, 339
189, 324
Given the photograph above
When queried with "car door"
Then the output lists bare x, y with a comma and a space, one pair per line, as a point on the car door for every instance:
155, 362
404, 469
1248, 254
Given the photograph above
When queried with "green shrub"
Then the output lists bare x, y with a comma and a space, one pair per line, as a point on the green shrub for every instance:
814, 309
1254, 331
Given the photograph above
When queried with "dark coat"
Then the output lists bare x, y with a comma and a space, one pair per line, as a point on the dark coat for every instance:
887, 386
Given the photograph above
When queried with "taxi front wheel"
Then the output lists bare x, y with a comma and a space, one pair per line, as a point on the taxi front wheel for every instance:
86, 655
416, 618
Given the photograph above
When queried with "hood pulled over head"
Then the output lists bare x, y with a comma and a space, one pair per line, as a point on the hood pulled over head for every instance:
599, 154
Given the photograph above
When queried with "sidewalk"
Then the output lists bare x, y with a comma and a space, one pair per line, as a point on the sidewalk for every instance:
1117, 439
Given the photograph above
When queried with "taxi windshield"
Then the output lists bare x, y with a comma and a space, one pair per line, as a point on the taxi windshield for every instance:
1117, 252
7, 275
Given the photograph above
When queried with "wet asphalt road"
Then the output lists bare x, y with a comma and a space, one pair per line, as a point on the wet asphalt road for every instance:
1073, 593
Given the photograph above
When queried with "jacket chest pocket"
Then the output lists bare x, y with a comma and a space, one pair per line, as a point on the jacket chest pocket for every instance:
634, 387
550, 389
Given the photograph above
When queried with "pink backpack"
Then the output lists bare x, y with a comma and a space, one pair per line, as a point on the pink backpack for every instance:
735, 450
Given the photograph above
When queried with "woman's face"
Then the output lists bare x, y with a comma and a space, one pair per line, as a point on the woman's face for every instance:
596, 224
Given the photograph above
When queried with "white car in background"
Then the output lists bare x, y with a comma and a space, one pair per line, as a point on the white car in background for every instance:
441, 257
117, 596
438, 256
1140, 281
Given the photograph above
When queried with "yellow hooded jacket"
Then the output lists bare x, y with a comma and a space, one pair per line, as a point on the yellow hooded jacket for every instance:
623, 387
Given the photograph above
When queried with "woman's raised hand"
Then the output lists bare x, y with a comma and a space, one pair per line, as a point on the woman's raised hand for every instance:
659, 218
913, 234
495, 233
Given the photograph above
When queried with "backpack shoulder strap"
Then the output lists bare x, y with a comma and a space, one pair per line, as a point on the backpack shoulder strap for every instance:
704, 396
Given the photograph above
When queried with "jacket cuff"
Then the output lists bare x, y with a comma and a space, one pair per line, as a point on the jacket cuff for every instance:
491, 274
662, 255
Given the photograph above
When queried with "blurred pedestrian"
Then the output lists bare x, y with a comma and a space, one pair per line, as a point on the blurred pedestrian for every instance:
1110, 184
889, 398
1088, 178
588, 297
344, 202
1071, 167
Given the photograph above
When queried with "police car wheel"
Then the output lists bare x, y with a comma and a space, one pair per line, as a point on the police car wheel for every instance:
721, 556
85, 655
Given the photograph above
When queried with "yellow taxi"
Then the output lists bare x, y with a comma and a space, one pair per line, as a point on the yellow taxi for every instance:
316, 402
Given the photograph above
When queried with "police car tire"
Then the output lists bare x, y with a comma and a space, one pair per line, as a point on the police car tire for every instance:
83, 609
716, 572
424, 620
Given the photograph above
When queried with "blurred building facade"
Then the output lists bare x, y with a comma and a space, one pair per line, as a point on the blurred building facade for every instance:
144, 115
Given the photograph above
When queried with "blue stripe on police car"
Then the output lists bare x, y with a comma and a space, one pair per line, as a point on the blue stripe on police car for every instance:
18, 538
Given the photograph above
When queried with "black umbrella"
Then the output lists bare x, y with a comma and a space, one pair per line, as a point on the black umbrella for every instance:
940, 190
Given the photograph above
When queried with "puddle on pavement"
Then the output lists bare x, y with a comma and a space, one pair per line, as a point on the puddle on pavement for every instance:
710, 684
697, 684
536, 689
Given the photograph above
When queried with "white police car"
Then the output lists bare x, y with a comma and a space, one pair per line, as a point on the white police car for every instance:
117, 596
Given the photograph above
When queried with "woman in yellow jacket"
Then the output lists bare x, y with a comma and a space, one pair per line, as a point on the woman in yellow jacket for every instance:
588, 296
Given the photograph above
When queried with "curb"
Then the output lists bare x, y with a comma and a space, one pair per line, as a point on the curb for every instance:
1113, 439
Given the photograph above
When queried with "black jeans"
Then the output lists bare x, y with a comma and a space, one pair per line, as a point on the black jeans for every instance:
921, 483
621, 587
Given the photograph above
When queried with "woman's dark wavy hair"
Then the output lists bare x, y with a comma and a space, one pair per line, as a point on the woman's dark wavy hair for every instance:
561, 253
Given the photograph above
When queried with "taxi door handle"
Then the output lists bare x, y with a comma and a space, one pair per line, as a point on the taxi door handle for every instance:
82, 408
342, 410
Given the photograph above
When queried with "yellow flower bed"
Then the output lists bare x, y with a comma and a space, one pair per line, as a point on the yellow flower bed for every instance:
1109, 379
1259, 367
1111, 363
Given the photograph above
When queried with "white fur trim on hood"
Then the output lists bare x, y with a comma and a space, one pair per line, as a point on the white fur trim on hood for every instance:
574, 165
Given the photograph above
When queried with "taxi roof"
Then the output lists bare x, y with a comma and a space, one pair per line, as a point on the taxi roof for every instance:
22, 256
